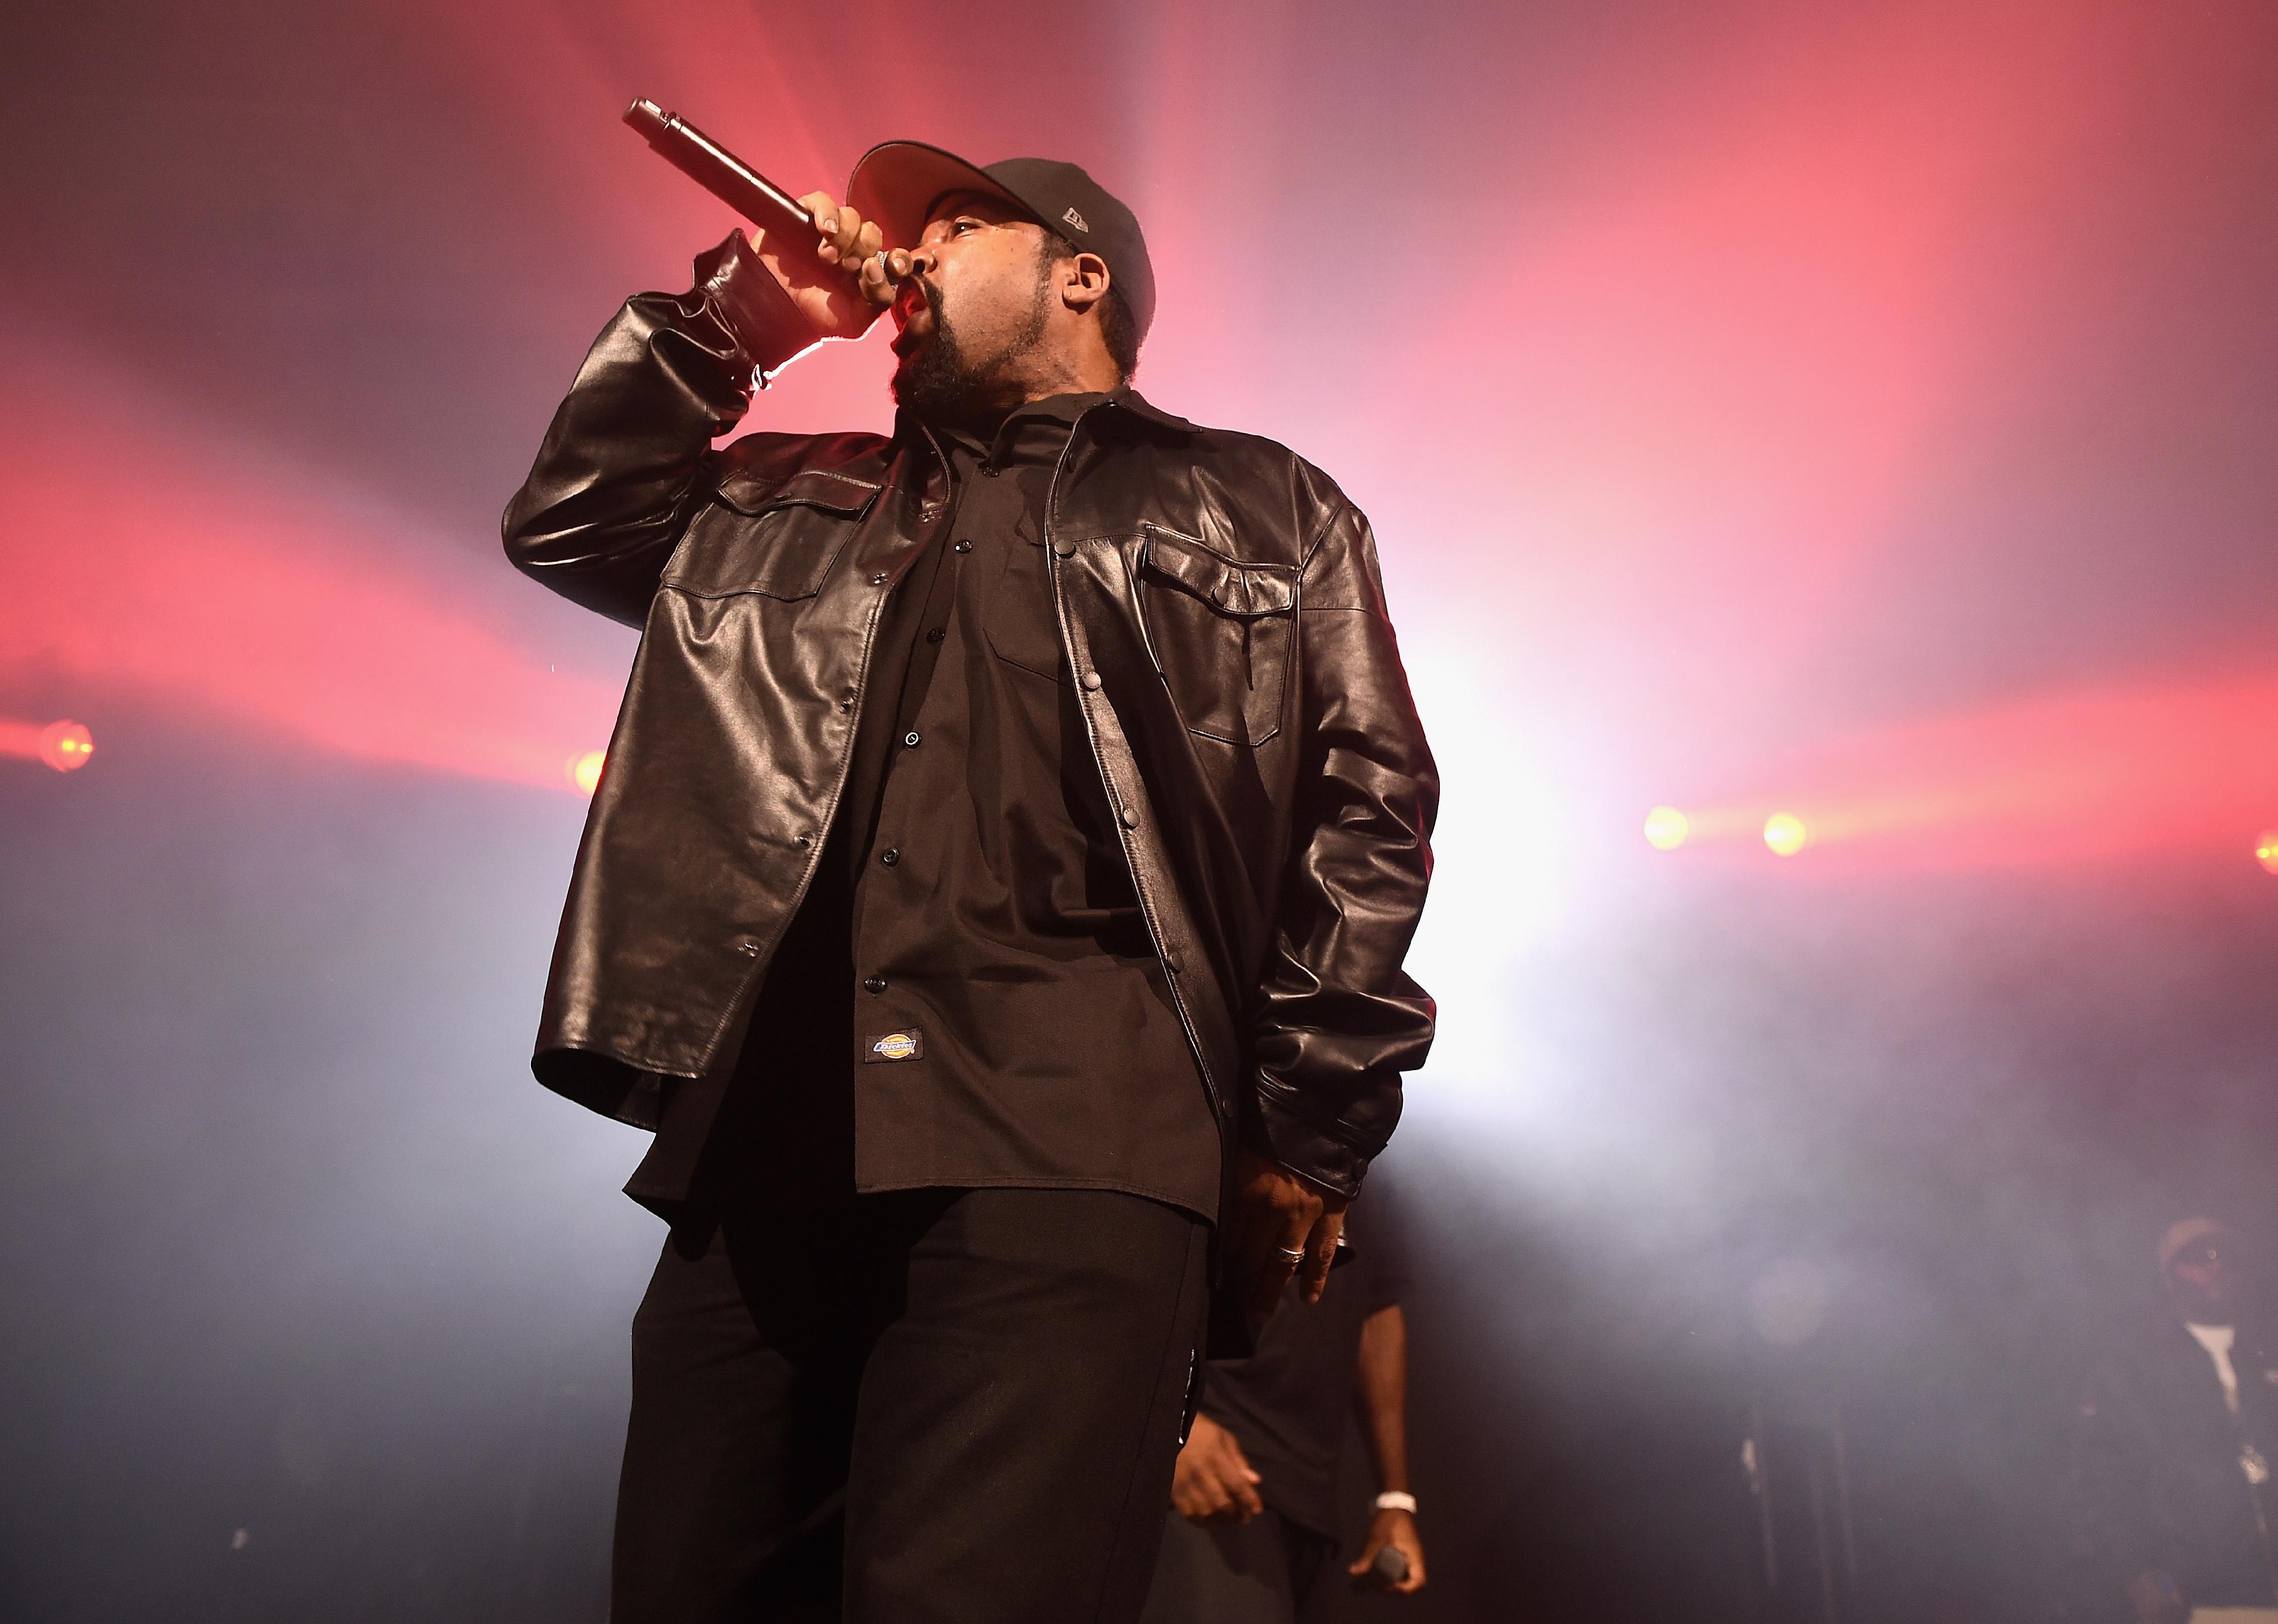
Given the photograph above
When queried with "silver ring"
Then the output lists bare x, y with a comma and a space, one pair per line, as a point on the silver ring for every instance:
1291, 1254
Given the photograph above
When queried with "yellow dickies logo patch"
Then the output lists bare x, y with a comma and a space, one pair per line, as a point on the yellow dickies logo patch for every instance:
908, 1044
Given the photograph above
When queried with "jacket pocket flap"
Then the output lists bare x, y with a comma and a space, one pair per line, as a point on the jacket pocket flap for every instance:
834, 493
1230, 587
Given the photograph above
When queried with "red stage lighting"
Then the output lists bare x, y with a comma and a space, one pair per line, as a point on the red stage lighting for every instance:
64, 746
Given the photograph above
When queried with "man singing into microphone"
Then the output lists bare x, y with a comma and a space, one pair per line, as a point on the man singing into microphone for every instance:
996, 900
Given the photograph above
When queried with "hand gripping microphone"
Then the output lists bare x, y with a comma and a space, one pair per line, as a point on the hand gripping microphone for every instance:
715, 169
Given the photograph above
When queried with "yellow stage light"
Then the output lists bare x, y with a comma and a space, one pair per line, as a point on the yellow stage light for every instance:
1665, 829
65, 747
1784, 833
585, 771
2267, 850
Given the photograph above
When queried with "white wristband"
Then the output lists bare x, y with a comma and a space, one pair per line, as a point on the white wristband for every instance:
1396, 1499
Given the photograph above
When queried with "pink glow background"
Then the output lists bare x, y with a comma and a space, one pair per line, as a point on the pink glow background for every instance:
1769, 409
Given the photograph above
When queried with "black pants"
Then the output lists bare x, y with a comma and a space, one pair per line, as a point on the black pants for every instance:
965, 1402
1258, 1572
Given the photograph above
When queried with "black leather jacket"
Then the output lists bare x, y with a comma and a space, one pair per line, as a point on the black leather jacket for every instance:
1222, 613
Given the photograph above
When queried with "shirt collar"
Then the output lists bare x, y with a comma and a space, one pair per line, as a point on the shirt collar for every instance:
1125, 399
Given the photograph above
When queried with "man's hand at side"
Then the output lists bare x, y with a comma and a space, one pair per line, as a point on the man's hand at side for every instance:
1212, 1482
1397, 1529
836, 277
1276, 1213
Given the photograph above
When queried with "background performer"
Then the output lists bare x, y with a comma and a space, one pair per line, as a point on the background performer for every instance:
1253, 1528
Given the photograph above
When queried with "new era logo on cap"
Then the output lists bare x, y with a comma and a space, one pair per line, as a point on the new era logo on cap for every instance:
1076, 220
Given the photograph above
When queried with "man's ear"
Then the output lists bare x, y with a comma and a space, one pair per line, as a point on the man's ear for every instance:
1083, 281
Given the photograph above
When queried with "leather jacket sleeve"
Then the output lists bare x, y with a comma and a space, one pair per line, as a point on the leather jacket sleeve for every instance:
626, 462
1337, 1020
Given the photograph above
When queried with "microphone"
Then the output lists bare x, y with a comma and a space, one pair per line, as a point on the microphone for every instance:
715, 169
1391, 1565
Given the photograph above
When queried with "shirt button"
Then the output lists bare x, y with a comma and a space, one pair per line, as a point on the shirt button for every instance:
1131, 818
912, 738
1092, 682
992, 470
878, 579
962, 547
873, 984
891, 855
750, 949
1065, 549
937, 635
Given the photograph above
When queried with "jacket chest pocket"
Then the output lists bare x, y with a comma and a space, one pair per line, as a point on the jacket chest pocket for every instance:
776, 539
1221, 631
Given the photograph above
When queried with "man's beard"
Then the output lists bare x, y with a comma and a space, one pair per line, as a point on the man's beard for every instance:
941, 382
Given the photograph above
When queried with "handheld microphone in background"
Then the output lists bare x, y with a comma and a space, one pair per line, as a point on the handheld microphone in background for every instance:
715, 169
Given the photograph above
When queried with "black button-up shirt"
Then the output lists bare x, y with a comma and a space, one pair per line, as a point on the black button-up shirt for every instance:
974, 916
1025, 1033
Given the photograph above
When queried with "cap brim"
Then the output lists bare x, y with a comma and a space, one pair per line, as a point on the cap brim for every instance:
897, 183
2183, 1232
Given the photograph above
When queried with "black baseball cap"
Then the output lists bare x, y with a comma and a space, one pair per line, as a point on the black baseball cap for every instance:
898, 182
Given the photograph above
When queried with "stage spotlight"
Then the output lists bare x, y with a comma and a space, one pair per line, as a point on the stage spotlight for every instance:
1784, 833
1665, 829
2267, 850
585, 771
66, 746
